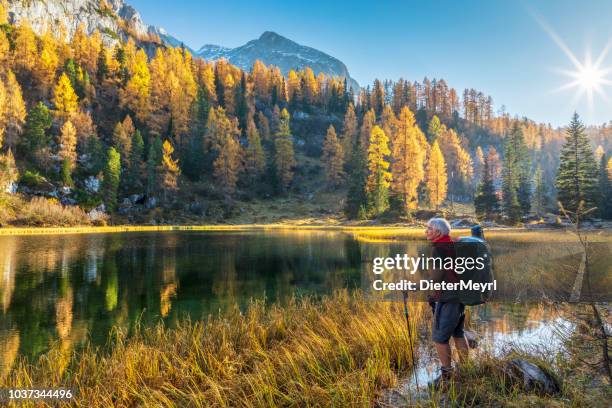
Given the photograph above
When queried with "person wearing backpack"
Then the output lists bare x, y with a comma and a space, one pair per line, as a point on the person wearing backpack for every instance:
448, 311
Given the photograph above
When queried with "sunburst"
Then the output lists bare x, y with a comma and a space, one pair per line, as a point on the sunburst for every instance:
588, 78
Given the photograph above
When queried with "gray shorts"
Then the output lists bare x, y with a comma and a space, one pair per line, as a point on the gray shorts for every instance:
448, 321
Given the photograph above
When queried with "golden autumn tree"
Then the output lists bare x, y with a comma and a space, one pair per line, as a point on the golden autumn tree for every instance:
379, 177
122, 139
408, 159
332, 158
4, 51
369, 119
294, 88
25, 50
12, 111
435, 177
284, 158
159, 109
609, 169
170, 171
67, 151
222, 138
2, 111
228, 94
3, 12
310, 87
135, 95
65, 99
261, 83
350, 130
255, 160
46, 66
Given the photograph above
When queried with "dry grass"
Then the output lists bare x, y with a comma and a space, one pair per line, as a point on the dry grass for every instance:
40, 212
339, 351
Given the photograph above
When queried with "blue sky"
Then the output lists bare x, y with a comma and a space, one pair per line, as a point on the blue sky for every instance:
498, 47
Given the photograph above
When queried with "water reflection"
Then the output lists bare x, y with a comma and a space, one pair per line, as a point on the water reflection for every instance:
68, 288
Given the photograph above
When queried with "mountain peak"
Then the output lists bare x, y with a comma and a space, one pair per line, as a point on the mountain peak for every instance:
271, 36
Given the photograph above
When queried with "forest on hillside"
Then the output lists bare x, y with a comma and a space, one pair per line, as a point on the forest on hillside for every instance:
90, 131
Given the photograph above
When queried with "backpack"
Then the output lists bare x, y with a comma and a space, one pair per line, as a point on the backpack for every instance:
472, 247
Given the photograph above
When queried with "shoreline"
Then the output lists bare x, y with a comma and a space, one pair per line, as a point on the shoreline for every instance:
12, 231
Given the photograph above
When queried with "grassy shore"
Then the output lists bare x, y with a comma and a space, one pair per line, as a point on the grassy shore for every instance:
341, 350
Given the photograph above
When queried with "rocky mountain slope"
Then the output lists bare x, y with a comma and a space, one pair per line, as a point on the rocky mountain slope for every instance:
272, 48
113, 18
116, 20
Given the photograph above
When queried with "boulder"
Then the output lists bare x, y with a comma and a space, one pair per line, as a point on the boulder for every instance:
533, 377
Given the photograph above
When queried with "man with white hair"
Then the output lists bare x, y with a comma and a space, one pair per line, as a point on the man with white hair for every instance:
449, 313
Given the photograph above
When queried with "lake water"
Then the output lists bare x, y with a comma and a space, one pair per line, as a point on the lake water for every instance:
72, 288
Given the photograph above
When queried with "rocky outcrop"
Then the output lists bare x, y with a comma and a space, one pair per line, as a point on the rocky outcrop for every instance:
113, 18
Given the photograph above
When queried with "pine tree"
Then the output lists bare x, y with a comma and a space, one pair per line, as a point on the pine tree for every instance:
154, 159
284, 159
510, 181
38, 122
332, 158
263, 126
577, 176
255, 161
112, 175
604, 188
136, 162
67, 153
435, 177
170, 171
377, 98
356, 197
408, 160
349, 131
65, 99
379, 178
486, 201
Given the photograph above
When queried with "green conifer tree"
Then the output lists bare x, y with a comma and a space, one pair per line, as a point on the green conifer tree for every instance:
577, 176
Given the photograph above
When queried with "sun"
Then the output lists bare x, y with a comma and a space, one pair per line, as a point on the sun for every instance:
590, 78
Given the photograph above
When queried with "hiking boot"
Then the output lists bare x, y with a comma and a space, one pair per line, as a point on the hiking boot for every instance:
442, 380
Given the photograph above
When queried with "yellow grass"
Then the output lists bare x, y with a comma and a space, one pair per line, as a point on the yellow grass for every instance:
337, 351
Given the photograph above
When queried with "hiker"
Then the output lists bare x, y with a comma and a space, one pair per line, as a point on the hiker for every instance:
449, 313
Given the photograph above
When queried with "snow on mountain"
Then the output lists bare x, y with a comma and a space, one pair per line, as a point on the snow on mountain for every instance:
274, 49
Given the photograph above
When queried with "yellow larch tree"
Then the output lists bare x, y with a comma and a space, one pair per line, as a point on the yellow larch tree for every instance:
222, 137
333, 158
25, 50
135, 95
408, 160
369, 118
2, 112
4, 51
46, 67
67, 152
311, 89
379, 177
435, 177
294, 88
170, 170
15, 111
65, 99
